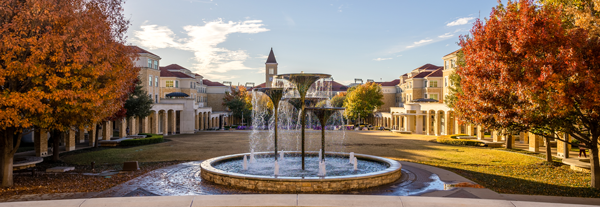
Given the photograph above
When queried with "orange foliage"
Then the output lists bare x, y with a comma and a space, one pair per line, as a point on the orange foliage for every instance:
64, 62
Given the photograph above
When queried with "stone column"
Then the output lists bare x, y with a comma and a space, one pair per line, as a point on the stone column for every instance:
92, 134
563, 148
70, 140
419, 124
437, 126
457, 127
106, 130
428, 123
480, 132
470, 130
174, 121
447, 123
132, 122
534, 143
496, 136
524, 137
123, 128
202, 127
165, 123
145, 125
80, 135
40, 139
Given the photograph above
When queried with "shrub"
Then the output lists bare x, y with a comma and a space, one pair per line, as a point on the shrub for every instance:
150, 139
457, 135
454, 141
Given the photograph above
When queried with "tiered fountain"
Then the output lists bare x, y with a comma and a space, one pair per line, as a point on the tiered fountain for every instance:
274, 169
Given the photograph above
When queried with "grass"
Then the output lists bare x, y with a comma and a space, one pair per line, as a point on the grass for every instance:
513, 171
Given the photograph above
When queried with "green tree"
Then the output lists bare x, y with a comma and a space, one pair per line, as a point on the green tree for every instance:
338, 100
239, 101
138, 103
362, 100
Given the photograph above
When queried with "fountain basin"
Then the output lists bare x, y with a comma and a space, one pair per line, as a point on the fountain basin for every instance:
301, 184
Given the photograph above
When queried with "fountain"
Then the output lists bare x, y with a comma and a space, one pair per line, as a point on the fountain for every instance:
301, 170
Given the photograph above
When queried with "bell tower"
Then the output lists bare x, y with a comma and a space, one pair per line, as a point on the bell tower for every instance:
270, 68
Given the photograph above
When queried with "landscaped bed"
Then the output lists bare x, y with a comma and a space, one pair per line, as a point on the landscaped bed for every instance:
496, 169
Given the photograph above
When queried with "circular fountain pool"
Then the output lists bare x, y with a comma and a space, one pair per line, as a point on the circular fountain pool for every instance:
371, 171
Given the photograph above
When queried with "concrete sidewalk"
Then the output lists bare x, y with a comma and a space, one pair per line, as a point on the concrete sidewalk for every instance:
281, 200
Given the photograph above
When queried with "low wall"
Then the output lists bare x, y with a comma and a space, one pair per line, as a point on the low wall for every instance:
301, 185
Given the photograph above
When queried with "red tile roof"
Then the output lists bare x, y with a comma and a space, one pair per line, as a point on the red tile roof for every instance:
140, 50
389, 83
164, 72
453, 52
335, 86
436, 73
429, 67
173, 67
210, 83
422, 74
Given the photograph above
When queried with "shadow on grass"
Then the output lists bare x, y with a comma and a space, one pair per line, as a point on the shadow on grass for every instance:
511, 185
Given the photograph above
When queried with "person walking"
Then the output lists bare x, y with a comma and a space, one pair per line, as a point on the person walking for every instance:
127, 131
582, 149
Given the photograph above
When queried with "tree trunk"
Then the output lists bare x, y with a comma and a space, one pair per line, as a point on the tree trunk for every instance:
7, 147
98, 128
594, 162
548, 150
6, 158
508, 141
56, 136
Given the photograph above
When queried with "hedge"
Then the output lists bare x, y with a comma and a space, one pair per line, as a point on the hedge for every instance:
451, 141
150, 139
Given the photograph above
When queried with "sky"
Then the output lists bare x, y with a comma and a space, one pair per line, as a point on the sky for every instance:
230, 40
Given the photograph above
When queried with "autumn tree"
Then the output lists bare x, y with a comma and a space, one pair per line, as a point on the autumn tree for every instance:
239, 101
63, 64
338, 100
583, 14
362, 100
525, 69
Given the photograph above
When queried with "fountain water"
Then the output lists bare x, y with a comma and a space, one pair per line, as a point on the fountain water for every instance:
275, 131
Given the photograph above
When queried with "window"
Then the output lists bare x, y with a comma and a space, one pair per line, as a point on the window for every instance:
446, 65
453, 63
425, 83
176, 84
271, 71
433, 96
425, 95
156, 64
150, 63
191, 85
150, 80
169, 84
156, 81
446, 82
156, 99
433, 84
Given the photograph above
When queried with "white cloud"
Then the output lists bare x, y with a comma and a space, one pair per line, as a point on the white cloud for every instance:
460, 21
380, 59
202, 41
419, 43
446, 35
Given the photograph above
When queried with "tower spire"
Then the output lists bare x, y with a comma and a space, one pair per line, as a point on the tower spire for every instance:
271, 58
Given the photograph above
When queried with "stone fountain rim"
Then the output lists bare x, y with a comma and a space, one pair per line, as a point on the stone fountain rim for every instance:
321, 75
394, 166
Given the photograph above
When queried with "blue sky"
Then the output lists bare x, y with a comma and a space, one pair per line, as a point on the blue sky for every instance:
230, 40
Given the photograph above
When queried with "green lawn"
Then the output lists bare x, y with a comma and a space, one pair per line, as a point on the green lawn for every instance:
499, 170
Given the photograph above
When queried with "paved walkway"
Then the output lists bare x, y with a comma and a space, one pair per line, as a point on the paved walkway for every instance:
283, 200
